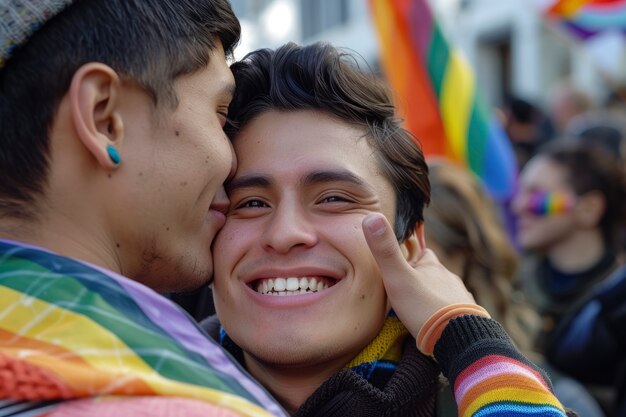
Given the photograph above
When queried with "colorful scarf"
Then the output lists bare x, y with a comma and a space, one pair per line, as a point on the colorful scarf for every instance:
378, 360
69, 330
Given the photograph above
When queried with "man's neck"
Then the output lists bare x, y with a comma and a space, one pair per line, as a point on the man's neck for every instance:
292, 386
62, 236
579, 252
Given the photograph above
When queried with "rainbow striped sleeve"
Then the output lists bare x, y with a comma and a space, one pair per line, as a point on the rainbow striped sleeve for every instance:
489, 376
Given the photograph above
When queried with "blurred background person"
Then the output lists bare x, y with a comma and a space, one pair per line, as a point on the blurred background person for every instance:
527, 127
566, 102
464, 228
590, 343
569, 208
602, 128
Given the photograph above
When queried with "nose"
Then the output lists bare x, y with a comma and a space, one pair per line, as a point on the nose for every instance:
220, 201
289, 227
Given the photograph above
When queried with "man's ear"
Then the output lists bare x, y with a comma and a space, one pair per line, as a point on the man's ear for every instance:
590, 208
94, 96
414, 245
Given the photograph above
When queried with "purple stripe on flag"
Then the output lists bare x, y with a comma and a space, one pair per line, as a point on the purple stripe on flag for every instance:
180, 327
421, 26
177, 324
579, 31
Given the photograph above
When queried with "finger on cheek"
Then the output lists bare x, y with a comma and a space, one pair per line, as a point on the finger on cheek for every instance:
375, 225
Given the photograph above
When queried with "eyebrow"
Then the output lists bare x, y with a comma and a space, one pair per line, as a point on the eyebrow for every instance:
312, 178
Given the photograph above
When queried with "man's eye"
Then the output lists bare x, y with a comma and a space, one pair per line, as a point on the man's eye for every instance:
252, 204
223, 116
334, 199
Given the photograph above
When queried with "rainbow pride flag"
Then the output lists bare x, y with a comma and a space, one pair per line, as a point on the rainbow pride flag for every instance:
587, 18
435, 91
72, 331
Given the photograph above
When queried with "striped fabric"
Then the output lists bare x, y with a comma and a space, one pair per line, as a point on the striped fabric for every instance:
380, 358
586, 18
435, 92
69, 330
492, 379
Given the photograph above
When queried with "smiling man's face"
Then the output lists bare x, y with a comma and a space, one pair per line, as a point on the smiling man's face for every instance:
295, 282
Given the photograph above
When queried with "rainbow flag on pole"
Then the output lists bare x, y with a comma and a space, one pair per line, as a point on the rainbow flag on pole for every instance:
436, 94
587, 18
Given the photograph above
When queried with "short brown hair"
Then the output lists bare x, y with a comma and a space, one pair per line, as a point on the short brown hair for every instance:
320, 77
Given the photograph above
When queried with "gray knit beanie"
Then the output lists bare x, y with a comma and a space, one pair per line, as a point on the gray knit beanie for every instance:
19, 19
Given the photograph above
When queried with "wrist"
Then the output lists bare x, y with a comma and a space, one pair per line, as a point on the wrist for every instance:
432, 329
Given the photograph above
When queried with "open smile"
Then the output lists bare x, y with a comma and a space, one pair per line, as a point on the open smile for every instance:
292, 285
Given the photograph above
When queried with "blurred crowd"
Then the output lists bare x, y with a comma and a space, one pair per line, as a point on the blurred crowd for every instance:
549, 264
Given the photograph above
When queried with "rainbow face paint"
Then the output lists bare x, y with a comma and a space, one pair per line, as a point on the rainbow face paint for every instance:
543, 203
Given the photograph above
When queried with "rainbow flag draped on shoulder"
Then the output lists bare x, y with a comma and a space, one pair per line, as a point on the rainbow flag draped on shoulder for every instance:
72, 331
586, 18
436, 94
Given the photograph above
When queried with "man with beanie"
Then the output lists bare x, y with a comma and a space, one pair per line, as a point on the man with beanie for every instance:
112, 159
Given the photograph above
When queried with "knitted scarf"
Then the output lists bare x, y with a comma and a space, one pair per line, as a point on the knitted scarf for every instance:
378, 360
71, 330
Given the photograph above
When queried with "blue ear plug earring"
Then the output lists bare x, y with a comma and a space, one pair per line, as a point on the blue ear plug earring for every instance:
114, 154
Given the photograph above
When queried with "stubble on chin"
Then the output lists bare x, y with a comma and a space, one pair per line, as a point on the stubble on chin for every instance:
165, 273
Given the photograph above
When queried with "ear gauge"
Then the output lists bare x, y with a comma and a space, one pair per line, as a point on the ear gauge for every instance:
114, 154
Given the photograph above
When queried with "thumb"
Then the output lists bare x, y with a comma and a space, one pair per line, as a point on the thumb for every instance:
384, 246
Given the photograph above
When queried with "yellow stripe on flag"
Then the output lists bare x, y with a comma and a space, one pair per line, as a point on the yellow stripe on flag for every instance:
456, 103
568, 8
102, 350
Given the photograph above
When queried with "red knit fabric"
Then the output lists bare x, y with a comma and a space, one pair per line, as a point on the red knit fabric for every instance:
21, 380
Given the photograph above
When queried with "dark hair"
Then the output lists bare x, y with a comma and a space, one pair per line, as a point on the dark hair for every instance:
149, 43
322, 78
590, 168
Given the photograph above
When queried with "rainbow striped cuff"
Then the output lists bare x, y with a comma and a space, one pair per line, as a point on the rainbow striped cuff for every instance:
490, 377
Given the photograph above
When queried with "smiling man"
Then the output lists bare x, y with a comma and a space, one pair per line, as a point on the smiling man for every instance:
304, 302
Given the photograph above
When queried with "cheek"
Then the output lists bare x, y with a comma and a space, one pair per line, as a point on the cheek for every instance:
226, 248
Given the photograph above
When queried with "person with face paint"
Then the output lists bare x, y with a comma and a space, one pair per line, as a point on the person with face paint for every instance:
569, 207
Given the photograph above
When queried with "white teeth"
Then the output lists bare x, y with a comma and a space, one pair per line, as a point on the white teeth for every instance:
304, 283
293, 284
290, 286
280, 284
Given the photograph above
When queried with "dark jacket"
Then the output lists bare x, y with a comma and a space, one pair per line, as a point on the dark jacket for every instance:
410, 392
590, 343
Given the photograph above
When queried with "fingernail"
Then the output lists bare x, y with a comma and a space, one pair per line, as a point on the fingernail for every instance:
375, 225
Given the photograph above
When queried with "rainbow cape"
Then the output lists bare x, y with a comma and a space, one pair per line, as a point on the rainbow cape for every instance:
586, 18
435, 91
70, 330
